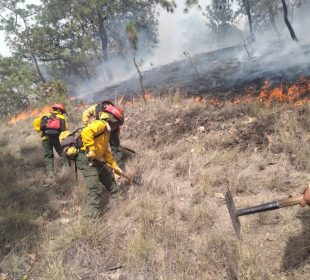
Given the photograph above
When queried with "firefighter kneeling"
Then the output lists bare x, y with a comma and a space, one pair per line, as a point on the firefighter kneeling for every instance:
94, 153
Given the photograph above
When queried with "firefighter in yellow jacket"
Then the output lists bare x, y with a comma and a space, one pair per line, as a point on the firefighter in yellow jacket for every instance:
95, 153
50, 126
93, 113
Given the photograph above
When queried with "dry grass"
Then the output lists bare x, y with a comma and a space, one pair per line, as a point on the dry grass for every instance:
292, 137
175, 225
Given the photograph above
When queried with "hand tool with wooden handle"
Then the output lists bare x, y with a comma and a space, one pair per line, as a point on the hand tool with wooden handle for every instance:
119, 173
236, 213
127, 149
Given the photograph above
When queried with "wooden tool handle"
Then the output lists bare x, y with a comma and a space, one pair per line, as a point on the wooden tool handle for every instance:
125, 176
269, 206
119, 173
129, 150
289, 201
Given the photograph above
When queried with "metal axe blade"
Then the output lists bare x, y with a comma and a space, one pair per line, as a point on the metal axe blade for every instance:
269, 206
232, 212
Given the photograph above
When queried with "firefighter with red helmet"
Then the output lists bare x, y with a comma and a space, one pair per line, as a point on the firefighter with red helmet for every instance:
93, 113
49, 126
95, 154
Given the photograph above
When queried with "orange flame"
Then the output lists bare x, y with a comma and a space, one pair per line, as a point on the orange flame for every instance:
27, 114
294, 94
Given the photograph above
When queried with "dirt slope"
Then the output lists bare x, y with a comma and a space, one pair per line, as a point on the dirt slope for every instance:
174, 224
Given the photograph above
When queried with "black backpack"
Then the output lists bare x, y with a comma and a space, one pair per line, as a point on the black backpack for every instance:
73, 140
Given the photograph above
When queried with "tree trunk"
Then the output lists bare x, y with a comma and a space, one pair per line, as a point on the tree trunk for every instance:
103, 36
104, 43
141, 78
272, 20
248, 12
39, 73
288, 24
28, 44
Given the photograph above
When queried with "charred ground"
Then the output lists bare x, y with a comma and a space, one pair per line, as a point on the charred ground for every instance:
224, 74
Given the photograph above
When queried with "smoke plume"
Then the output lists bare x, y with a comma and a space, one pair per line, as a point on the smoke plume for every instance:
185, 40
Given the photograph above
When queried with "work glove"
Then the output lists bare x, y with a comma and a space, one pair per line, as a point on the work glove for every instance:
117, 170
306, 199
91, 155
117, 177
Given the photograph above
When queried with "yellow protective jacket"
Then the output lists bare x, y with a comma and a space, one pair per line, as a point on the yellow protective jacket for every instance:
89, 114
37, 122
96, 137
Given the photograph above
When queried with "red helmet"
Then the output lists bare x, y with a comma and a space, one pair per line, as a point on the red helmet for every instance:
105, 103
117, 112
58, 106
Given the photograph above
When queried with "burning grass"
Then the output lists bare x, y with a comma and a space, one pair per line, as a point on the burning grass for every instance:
175, 225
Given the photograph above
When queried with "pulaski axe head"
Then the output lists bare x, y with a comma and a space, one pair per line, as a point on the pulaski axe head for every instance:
269, 206
232, 212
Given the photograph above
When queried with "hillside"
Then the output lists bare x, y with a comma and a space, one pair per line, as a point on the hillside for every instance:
173, 223
223, 73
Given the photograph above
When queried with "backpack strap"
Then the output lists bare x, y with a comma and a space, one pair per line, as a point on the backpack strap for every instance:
98, 110
43, 122
97, 135
75, 168
76, 171
102, 132
77, 135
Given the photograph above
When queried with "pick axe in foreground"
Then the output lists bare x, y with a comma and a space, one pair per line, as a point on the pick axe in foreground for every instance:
131, 179
236, 213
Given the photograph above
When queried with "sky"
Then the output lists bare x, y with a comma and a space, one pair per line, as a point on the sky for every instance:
4, 49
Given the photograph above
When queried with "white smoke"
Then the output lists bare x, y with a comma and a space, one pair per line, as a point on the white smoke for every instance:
271, 46
181, 32
109, 73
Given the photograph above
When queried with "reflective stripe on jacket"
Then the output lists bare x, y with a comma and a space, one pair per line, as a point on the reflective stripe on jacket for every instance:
37, 122
96, 137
